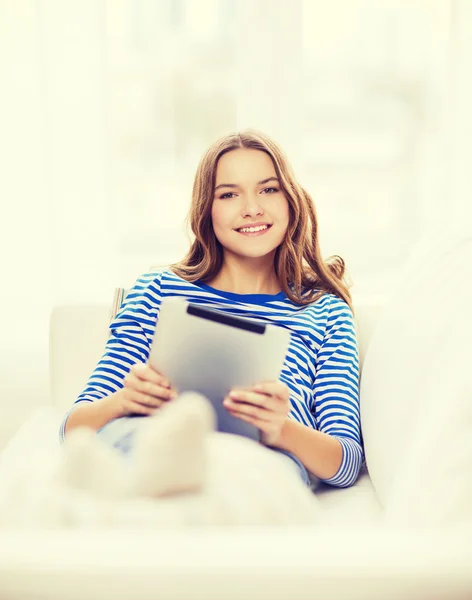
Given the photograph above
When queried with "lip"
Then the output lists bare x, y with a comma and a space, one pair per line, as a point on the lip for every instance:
258, 224
255, 233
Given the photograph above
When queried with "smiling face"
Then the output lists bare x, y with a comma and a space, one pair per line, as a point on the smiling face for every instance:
250, 213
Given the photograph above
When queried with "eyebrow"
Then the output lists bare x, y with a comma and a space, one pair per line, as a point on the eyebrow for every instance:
235, 185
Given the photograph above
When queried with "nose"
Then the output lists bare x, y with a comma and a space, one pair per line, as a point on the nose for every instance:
252, 208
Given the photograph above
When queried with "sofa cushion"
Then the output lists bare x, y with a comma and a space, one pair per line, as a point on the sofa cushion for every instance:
350, 507
413, 399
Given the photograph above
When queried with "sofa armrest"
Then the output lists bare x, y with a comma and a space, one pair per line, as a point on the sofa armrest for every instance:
77, 338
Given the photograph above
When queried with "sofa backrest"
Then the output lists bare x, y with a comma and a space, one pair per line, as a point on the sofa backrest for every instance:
416, 386
78, 334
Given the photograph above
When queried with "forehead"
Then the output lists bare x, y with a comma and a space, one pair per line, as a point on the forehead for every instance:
244, 164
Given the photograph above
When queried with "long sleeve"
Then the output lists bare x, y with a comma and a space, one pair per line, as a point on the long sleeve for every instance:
131, 333
336, 391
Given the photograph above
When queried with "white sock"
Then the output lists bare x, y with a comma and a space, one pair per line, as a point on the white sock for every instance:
170, 452
89, 464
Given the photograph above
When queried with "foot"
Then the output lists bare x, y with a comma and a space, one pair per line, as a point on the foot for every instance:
91, 465
169, 455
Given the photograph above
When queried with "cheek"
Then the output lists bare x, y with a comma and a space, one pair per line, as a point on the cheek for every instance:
284, 213
215, 217
220, 217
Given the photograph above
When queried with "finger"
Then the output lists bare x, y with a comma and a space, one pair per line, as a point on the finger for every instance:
145, 372
148, 388
263, 426
272, 388
248, 410
145, 400
140, 409
262, 400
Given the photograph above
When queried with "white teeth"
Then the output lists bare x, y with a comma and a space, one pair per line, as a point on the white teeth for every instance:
253, 229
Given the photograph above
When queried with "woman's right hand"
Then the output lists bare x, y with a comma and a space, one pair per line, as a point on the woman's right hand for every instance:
144, 391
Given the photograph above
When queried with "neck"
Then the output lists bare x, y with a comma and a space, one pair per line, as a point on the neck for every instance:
247, 276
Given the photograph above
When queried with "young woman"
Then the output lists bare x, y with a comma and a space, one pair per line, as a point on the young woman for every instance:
255, 254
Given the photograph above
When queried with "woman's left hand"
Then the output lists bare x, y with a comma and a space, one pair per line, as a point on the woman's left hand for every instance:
266, 406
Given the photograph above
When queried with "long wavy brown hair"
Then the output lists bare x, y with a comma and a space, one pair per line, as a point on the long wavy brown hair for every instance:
302, 272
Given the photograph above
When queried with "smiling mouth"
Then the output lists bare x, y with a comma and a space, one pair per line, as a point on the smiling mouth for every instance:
260, 229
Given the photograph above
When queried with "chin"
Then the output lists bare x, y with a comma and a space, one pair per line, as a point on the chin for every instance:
249, 249
256, 253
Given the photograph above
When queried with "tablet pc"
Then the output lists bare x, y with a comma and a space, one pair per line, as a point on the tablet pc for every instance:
210, 352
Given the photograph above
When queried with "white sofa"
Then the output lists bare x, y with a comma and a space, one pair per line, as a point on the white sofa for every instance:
75, 350
404, 530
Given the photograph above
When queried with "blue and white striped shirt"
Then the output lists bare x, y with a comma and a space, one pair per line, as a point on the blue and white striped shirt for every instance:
321, 367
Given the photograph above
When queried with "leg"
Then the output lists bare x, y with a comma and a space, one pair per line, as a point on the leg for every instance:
150, 456
235, 426
95, 461
169, 451
296, 462
121, 433
91, 462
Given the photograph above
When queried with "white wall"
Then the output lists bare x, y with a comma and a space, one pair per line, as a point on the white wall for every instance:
25, 243
57, 238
